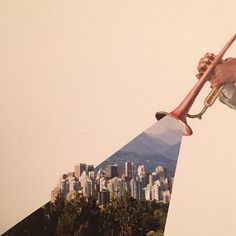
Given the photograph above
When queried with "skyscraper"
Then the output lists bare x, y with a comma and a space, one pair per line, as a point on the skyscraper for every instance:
141, 184
166, 196
161, 172
141, 170
155, 191
87, 184
129, 169
74, 184
111, 171
115, 187
134, 188
103, 197
102, 183
64, 186
89, 168
148, 192
79, 169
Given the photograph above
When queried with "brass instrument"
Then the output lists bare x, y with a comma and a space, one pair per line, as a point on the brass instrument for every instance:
181, 112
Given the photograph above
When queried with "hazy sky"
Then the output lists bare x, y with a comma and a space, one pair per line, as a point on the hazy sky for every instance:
80, 79
168, 130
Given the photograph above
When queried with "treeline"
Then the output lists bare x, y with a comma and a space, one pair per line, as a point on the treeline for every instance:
82, 216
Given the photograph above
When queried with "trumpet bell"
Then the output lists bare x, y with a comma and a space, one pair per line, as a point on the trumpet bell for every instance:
187, 131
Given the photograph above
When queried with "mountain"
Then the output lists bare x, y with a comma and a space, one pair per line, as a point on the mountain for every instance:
146, 150
170, 136
150, 161
145, 144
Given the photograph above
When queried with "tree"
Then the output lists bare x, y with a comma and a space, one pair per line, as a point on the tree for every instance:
82, 216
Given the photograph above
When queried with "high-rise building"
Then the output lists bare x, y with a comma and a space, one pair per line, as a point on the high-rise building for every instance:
91, 174
150, 179
141, 184
103, 197
87, 184
115, 187
158, 188
64, 186
161, 172
102, 184
113, 182
119, 170
126, 185
164, 184
148, 192
155, 192
170, 183
147, 178
111, 171
100, 174
74, 184
89, 189
129, 169
166, 196
154, 177
79, 169
89, 168
141, 170
134, 188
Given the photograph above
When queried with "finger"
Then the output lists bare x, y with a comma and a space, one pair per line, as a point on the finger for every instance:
206, 61
209, 56
201, 67
199, 75
216, 83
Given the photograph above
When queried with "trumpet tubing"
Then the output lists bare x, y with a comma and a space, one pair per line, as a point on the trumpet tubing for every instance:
181, 112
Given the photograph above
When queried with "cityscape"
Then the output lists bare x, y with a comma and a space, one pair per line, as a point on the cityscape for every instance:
116, 180
117, 200
144, 168
126, 194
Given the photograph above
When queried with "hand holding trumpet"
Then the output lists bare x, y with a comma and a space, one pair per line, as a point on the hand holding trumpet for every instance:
224, 72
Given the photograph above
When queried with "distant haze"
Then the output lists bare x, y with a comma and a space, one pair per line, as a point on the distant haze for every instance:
168, 130
158, 145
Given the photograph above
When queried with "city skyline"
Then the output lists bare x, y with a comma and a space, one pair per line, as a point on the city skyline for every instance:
143, 168
106, 184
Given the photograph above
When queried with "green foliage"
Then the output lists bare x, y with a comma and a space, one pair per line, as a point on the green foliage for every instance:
79, 216
124, 216
152, 233
82, 216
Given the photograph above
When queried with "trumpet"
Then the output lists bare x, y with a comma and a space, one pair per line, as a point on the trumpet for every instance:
181, 112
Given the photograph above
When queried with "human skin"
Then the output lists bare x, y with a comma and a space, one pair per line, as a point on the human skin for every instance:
224, 72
